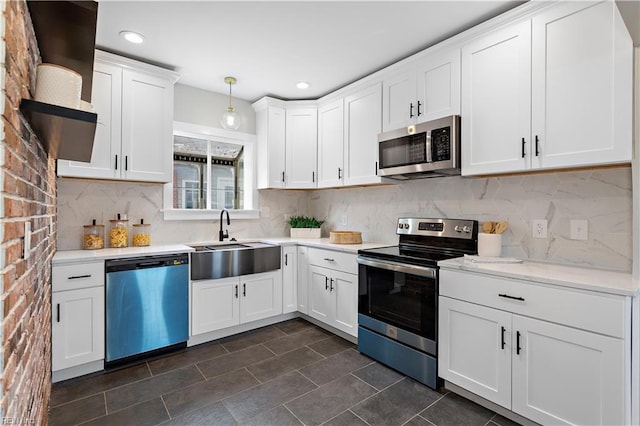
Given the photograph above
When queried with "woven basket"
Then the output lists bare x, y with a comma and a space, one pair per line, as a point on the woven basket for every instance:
345, 237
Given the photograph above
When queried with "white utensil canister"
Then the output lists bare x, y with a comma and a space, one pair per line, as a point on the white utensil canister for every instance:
489, 245
58, 85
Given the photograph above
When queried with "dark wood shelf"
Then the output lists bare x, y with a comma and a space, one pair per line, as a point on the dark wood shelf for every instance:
66, 133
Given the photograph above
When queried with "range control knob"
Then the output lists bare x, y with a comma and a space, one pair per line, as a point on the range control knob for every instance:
466, 229
399, 226
406, 226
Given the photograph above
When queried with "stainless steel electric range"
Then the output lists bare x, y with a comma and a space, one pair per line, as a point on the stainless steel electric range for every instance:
398, 293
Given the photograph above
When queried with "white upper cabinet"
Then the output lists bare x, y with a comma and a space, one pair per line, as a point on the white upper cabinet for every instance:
330, 144
134, 134
424, 89
301, 143
550, 92
362, 124
287, 143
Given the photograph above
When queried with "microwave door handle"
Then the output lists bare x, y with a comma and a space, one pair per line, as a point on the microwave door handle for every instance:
421, 271
429, 156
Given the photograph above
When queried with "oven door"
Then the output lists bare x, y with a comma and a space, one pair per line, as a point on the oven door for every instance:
400, 301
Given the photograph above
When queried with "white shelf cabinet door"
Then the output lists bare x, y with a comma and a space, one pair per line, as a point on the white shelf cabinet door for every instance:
330, 144
106, 97
270, 133
562, 375
399, 100
582, 78
345, 290
147, 127
289, 279
301, 147
77, 334
260, 296
496, 102
471, 353
363, 123
214, 304
303, 277
321, 301
438, 86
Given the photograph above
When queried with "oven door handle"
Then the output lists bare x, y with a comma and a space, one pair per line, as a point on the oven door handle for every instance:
421, 271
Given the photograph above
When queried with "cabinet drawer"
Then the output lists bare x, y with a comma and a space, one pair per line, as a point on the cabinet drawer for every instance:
337, 260
597, 312
79, 275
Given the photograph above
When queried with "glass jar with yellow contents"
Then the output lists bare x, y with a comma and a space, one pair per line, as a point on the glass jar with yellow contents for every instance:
118, 234
93, 236
141, 234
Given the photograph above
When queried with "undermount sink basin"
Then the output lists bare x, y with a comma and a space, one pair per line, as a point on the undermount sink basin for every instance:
213, 261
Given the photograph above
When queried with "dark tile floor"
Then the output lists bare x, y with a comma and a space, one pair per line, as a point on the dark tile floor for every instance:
289, 373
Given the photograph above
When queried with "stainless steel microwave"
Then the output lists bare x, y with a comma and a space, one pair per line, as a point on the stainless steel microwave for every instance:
428, 149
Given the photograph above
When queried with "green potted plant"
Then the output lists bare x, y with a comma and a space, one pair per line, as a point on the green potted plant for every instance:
305, 227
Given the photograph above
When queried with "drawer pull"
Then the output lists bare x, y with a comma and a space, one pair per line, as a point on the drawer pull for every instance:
518, 348
512, 297
502, 337
58, 311
77, 277
329, 259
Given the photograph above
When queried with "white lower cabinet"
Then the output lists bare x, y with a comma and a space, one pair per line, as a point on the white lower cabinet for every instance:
222, 303
302, 277
548, 372
289, 279
77, 315
333, 298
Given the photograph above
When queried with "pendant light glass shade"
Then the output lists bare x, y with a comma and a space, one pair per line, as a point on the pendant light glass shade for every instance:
230, 119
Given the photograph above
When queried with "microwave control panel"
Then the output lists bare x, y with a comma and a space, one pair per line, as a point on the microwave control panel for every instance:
441, 144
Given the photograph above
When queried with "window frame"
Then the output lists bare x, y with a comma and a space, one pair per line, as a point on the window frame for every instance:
196, 131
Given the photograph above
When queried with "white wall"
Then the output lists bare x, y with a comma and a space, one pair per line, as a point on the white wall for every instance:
197, 106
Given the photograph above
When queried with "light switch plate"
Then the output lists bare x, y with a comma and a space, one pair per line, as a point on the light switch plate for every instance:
579, 229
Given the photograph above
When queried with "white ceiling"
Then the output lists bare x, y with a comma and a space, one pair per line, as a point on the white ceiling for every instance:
269, 46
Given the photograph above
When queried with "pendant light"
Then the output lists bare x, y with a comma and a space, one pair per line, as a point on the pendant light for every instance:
230, 119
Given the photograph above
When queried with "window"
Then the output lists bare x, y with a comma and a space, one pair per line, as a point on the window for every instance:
212, 170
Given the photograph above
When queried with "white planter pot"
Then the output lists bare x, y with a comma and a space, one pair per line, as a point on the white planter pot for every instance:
305, 232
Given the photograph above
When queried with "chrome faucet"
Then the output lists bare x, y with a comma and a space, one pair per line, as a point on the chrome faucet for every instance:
224, 234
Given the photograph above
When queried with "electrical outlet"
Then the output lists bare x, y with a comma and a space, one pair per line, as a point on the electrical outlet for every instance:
579, 230
343, 220
539, 228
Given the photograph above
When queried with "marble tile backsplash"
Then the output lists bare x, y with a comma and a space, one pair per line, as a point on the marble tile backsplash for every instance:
602, 197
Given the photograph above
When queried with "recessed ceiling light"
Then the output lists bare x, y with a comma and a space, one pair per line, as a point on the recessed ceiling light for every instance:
132, 36
302, 85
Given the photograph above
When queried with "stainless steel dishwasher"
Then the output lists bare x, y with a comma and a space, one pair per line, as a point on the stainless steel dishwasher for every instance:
147, 308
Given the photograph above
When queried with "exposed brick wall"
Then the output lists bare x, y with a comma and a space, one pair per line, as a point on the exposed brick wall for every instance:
28, 194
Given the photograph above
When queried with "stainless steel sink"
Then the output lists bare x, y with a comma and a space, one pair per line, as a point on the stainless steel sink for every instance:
213, 261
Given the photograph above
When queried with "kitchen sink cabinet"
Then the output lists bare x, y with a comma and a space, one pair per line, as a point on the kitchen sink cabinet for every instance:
225, 302
333, 289
77, 315
421, 90
289, 279
287, 143
560, 97
506, 342
133, 141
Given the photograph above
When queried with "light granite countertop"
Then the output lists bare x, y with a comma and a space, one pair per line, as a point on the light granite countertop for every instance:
78, 256
584, 278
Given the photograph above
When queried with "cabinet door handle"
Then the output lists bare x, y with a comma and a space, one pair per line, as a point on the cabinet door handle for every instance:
326, 283
376, 173
523, 153
282, 177
419, 113
286, 259
537, 147
116, 161
58, 312
313, 177
244, 290
518, 348
331, 287
77, 277
411, 110
126, 162
512, 297
236, 291
339, 173
502, 337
